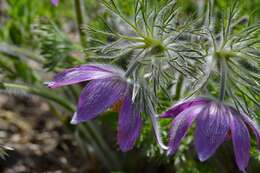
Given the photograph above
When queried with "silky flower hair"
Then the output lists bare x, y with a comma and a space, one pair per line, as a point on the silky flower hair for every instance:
160, 51
231, 55
233, 52
155, 42
107, 87
213, 121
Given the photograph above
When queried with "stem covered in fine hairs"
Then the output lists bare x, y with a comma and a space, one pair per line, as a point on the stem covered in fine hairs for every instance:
80, 21
223, 76
133, 65
155, 125
179, 87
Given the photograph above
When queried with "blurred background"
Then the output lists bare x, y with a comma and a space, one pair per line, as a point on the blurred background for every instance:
37, 40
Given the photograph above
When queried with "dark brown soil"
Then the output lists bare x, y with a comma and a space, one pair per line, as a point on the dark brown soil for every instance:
38, 139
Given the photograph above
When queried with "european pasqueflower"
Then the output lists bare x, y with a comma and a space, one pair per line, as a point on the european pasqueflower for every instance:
107, 86
214, 120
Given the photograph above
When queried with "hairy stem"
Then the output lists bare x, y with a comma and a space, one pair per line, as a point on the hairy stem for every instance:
133, 65
223, 76
179, 87
156, 127
98, 142
19, 52
80, 21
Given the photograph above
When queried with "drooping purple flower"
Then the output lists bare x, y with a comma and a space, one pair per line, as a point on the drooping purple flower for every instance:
106, 87
55, 2
213, 122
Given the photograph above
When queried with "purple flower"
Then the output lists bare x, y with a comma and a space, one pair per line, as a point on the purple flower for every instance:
55, 2
107, 86
214, 121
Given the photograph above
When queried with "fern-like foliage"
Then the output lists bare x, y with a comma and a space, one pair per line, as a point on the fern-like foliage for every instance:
55, 46
236, 43
156, 44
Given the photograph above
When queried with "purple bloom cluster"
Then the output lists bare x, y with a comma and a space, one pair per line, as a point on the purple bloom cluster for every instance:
214, 121
106, 87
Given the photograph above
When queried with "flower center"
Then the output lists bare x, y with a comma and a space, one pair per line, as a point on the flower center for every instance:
223, 54
155, 45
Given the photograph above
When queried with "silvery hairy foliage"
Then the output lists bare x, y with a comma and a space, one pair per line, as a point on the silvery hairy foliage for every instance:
232, 47
213, 55
169, 46
156, 45
158, 49
210, 53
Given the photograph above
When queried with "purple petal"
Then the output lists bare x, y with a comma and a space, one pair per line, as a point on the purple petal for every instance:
241, 141
180, 126
55, 2
96, 97
179, 107
211, 130
129, 124
83, 73
253, 126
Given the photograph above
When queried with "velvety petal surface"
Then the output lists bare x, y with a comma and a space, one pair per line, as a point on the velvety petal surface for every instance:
211, 130
84, 73
96, 97
241, 141
179, 107
180, 126
129, 124
254, 127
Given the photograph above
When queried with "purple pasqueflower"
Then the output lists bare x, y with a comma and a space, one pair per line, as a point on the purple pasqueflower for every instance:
107, 86
214, 121
55, 2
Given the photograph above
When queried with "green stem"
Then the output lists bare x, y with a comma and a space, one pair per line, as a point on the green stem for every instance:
179, 87
19, 52
42, 93
133, 65
97, 139
223, 76
80, 21
108, 155
155, 124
